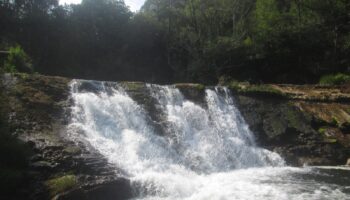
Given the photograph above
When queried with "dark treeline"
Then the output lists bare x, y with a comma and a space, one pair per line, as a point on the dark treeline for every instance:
294, 41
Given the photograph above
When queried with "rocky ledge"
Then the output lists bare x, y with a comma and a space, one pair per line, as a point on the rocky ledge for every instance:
38, 110
305, 124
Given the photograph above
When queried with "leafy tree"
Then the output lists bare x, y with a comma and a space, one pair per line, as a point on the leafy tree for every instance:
182, 40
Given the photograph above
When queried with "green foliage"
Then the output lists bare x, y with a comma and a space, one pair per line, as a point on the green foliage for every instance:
335, 79
61, 184
181, 40
17, 60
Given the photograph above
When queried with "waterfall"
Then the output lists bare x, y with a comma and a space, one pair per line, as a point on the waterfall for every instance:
203, 152
209, 140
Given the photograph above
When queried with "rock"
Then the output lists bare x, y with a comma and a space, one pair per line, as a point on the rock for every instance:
283, 126
348, 162
38, 106
193, 92
119, 189
310, 161
43, 165
289, 124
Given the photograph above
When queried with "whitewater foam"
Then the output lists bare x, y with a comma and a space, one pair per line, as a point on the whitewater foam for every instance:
205, 153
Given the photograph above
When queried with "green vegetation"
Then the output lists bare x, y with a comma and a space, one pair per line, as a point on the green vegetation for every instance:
190, 85
263, 89
134, 85
335, 122
260, 41
235, 85
17, 60
247, 88
326, 136
322, 131
335, 79
61, 184
331, 140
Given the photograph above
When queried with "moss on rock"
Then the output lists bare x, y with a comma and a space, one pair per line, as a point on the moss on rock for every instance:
72, 150
322, 131
61, 184
252, 89
332, 114
133, 85
193, 86
193, 92
293, 118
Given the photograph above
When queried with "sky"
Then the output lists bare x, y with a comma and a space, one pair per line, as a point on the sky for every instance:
134, 5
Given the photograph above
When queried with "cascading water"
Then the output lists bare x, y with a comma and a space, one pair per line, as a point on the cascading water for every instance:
212, 140
203, 153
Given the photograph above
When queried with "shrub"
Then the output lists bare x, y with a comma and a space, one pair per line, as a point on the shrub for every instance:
335, 79
17, 60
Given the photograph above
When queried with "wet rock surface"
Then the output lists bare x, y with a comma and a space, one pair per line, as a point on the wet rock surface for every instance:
39, 112
301, 137
302, 129
291, 121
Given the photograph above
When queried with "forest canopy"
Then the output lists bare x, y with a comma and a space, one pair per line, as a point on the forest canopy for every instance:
283, 41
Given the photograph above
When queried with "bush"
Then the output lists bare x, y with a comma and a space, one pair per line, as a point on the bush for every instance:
17, 60
335, 79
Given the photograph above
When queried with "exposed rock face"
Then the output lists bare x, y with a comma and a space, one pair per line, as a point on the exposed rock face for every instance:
39, 113
282, 127
305, 128
307, 124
